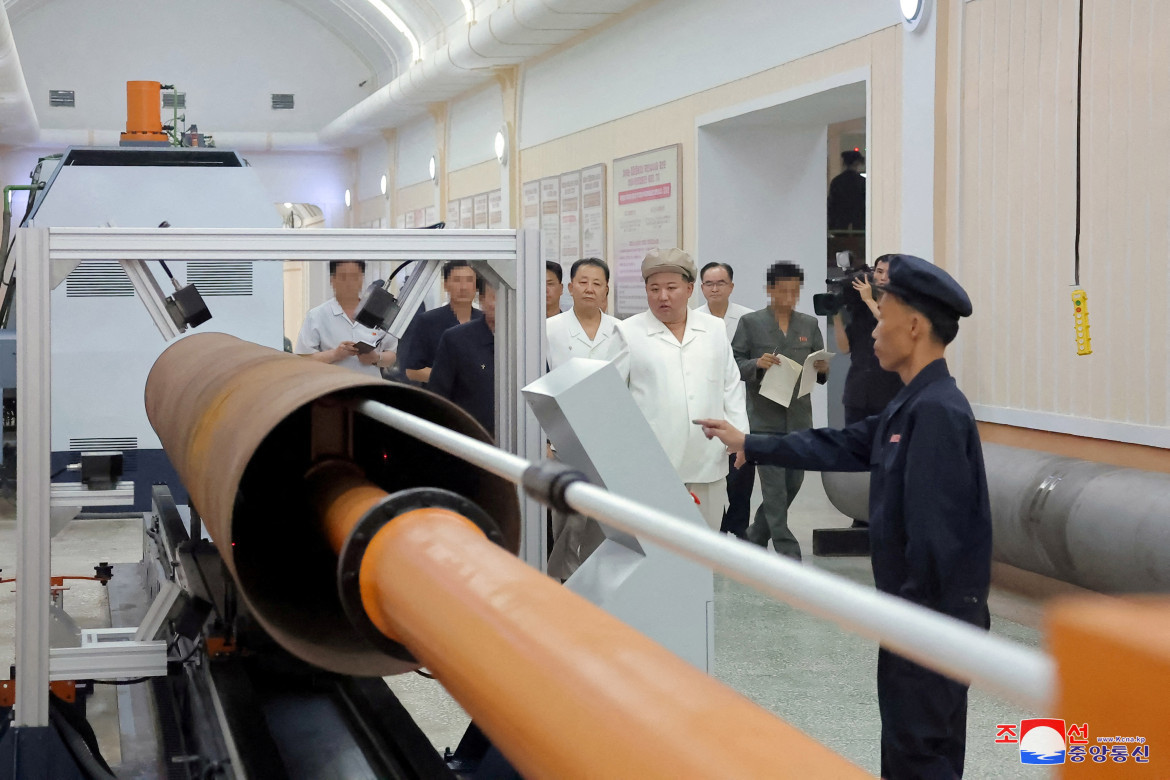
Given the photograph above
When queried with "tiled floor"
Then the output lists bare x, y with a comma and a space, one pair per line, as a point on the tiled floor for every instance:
807, 671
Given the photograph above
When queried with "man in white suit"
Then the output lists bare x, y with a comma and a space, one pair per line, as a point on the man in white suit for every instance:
584, 330
679, 364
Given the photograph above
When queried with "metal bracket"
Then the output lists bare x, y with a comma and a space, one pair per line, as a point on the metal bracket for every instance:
152, 297
108, 654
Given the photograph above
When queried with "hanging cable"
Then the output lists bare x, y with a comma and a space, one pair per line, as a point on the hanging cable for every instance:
1080, 56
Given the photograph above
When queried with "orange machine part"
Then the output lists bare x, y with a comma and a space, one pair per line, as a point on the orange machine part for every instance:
1113, 671
564, 689
143, 111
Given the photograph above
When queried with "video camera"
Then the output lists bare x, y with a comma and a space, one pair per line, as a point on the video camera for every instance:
840, 288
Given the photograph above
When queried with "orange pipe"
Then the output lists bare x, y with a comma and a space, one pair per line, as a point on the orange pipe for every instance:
562, 688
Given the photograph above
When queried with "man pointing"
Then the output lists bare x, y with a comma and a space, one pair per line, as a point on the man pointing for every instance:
929, 513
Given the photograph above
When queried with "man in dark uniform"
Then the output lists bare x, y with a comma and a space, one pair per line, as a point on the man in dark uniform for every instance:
465, 363
930, 517
422, 337
846, 205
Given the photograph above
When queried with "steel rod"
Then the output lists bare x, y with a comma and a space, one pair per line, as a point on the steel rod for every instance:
939, 642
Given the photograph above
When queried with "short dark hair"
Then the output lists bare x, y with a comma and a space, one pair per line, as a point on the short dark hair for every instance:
481, 283
944, 326
451, 265
724, 266
597, 262
555, 267
852, 157
334, 263
784, 270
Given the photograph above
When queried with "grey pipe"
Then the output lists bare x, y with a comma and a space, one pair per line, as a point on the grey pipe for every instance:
1091, 524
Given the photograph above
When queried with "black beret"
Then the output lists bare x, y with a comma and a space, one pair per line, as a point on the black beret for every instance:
925, 286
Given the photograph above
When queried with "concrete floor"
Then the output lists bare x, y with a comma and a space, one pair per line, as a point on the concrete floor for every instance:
807, 671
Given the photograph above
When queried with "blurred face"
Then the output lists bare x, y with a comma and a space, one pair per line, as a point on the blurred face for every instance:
717, 285
460, 285
347, 281
783, 294
667, 293
487, 303
881, 272
589, 287
552, 292
893, 337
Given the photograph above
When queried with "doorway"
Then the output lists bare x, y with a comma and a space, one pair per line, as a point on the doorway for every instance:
763, 180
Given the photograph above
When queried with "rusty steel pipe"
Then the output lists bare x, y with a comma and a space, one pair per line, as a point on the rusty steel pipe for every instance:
245, 425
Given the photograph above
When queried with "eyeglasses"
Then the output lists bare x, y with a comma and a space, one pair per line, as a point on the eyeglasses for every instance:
719, 285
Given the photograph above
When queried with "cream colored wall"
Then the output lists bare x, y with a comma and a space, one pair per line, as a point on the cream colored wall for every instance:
674, 123
1011, 225
473, 180
368, 212
416, 196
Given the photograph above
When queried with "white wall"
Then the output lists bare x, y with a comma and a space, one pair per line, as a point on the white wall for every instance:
762, 193
373, 161
671, 50
472, 130
229, 57
416, 144
319, 178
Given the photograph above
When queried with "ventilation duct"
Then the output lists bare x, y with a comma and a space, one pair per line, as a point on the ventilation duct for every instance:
282, 101
62, 98
513, 33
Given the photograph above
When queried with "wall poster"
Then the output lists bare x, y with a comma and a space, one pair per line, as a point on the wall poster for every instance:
466, 213
648, 214
530, 206
480, 210
570, 219
452, 214
593, 211
430, 216
401, 221
550, 219
496, 209
409, 219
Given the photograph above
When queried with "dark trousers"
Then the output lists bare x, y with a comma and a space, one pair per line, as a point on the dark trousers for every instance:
779, 486
740, 483
924, 721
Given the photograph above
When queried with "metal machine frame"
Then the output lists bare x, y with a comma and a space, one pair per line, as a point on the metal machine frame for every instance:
511, 257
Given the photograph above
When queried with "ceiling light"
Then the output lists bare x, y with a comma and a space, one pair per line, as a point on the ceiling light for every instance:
287, 205
913, 12
399, 25
383, 184
348, 199
433, 168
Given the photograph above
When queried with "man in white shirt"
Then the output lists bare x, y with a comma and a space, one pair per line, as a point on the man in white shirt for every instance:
679, 363
718, 284
329, 333
717, 288
585, 330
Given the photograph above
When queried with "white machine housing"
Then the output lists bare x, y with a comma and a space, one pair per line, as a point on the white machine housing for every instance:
104, 342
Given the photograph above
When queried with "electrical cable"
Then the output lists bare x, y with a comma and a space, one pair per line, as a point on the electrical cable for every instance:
133, 681
1080, 56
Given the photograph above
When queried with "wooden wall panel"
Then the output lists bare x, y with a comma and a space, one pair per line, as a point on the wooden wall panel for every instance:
1011, 238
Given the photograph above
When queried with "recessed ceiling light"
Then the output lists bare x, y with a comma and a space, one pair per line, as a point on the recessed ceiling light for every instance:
348, 199
383, 184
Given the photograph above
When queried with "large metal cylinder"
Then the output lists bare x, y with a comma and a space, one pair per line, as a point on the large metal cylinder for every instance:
243, 425
1091, 524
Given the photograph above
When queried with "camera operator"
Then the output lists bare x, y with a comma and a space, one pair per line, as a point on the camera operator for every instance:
868, 388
